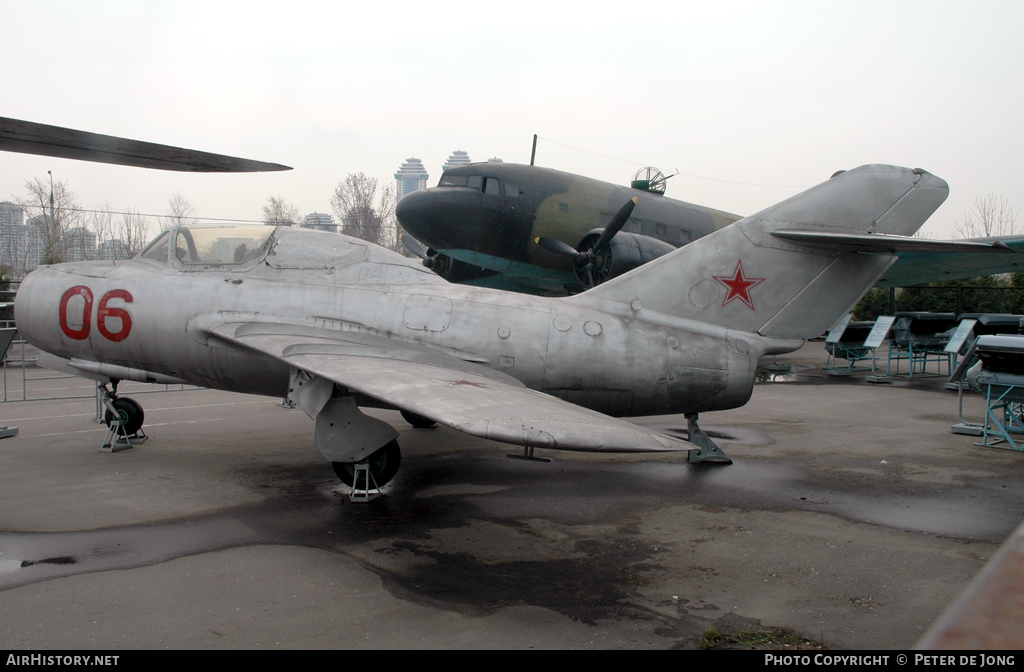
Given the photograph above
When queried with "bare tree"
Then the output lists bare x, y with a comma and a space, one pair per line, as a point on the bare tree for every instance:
179, 211
279, 212
54, 212
388, 221
120, 238
101, 221
133, 230
992, 216
354, 206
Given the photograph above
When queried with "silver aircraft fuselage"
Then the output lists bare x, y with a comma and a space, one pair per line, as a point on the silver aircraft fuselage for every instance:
159, 316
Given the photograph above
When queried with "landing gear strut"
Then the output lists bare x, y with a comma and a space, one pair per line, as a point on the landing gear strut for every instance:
362, 449
383, 465
124, 418
706, 450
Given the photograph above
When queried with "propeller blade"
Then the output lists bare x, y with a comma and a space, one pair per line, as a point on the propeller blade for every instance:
413, 245
618, 221
556, 246
29, 137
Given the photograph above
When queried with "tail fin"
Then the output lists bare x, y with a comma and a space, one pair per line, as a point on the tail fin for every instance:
744, 277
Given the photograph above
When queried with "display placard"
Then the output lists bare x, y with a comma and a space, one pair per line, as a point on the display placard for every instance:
956, 341
837, 333
879, 331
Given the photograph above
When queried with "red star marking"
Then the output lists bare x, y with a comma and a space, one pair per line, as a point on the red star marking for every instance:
739, 286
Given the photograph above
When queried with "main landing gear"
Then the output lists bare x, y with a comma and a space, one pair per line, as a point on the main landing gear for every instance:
382, 466
706, 450
362, 449
124, 418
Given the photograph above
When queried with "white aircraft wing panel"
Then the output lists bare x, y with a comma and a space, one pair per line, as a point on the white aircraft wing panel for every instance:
461, 395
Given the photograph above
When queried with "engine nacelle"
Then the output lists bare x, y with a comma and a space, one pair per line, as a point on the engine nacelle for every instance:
625, 252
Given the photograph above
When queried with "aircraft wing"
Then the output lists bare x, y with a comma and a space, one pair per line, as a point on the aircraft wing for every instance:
28, 137
460, 394
916, 268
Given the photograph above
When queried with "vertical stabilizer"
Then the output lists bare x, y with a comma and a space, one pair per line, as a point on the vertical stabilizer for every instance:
742, 277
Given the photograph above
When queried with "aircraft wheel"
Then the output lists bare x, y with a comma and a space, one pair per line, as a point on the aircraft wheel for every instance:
418, 421
383, 465
129, 412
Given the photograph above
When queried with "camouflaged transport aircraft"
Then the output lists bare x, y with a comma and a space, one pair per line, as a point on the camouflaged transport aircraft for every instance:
545, 231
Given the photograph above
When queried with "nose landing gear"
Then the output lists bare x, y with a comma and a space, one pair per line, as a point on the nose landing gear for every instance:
124, 418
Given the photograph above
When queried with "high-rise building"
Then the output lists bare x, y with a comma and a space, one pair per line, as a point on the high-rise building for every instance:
34, 245
81, 244
411, 176
11, 214
320, 222
12, 235
112, 249
458, 158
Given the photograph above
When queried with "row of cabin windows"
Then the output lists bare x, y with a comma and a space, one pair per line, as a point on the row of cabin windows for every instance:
488, 185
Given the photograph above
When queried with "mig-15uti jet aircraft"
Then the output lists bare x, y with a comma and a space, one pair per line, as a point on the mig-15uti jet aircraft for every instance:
335, 323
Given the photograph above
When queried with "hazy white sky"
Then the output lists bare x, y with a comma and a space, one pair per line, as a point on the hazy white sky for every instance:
746, 93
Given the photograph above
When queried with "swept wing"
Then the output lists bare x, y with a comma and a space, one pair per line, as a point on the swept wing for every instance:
460, 394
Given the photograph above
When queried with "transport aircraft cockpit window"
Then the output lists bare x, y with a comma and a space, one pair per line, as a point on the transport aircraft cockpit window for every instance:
511, 189
492, 187
475, 181
453, 181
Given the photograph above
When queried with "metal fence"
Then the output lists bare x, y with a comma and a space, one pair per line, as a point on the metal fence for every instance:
24, 380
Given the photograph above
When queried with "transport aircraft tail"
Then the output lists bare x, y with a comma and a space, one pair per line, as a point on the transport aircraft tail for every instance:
791, 270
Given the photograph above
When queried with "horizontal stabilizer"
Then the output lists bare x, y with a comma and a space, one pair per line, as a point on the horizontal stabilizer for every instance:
27, 137
915, 268
881, 243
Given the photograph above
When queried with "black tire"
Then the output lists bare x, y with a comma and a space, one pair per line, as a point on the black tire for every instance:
130, 413
383, 465
418, 421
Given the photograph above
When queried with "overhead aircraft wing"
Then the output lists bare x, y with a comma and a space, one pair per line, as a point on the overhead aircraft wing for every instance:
460, 394
29, 137
916, 268
870, 242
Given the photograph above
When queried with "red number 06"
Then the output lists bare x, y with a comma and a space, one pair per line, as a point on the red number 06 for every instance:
102, 313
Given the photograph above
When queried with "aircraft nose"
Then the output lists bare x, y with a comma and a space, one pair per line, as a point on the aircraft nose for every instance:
446, 218
27, 307
51, 303
415, 213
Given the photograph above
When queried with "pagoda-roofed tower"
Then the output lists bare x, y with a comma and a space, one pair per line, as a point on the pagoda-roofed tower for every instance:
411, 176
457, 158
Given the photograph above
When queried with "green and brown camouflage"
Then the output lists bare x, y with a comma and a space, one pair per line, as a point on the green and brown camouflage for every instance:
489, 215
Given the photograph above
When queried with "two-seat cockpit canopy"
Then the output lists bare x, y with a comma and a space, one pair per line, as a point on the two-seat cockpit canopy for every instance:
243, 248
210, 245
